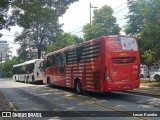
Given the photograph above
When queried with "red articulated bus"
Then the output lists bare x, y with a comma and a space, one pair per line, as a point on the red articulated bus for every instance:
104, 64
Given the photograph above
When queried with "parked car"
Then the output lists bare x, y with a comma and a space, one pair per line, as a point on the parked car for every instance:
155, 73
157, 76
144, 72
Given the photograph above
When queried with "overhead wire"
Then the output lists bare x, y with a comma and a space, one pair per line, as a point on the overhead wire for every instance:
113, 14
82, 26
119, 5
120, 10
76, 29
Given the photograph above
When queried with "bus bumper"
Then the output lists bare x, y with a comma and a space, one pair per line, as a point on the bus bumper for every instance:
122, 86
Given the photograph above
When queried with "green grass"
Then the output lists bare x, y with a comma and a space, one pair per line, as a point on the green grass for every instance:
151, 83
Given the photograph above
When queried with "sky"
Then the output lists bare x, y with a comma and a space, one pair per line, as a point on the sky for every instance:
76, 16
78, 13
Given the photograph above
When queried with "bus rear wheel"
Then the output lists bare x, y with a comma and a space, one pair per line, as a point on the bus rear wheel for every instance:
78, 88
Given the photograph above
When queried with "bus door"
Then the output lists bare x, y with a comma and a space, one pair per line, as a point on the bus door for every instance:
39, 72
123, 58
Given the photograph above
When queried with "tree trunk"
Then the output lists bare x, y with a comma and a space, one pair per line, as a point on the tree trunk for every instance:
148, 72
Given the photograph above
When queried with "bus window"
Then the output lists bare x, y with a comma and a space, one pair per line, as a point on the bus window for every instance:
60, 62
30, 68
50, 61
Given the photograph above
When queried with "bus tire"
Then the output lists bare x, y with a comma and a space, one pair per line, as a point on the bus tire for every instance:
15, 79
26, 81
78, 87
157, 77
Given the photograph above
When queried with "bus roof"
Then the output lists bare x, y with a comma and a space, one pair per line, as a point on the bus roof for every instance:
19, 65
90, 41
74, 46
33, 61
28, 62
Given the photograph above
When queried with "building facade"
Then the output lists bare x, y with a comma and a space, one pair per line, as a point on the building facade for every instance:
4, 47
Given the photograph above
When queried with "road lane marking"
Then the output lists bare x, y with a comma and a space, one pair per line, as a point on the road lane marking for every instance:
74, 97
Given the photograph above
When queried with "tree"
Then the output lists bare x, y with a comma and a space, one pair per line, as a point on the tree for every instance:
144, 22
65, 40
135, 19
7, 67
40, 20
22, 52
4, 6
148, 57
103, 23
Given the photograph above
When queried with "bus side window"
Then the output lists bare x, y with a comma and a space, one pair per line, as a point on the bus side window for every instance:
45, 63
48, 62
57, 62
53, 60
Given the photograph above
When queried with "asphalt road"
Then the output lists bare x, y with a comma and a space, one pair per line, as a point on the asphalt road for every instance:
30, 97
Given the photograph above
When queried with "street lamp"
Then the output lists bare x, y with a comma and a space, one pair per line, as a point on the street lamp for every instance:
90, 6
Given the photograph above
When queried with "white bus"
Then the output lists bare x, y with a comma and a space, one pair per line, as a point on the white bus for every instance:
19, 72
28, 71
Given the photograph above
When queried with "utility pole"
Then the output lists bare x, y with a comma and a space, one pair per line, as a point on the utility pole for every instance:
3, 47
90, 7
1, 57
1, 66
1, 60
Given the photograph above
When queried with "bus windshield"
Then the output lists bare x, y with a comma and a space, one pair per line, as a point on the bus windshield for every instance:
122, 44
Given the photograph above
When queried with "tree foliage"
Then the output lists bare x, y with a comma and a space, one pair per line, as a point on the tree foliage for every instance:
40, 20
65, 40
4, 6
135, 18
144, 22
7, 67
150, 57
103, 23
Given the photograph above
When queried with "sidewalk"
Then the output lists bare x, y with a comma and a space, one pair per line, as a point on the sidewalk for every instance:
5, 105
146, 91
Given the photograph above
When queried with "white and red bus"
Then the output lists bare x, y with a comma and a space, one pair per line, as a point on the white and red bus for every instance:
28, 71
108, 63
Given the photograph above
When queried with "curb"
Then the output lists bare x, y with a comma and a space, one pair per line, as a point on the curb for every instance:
142, 93
11, 106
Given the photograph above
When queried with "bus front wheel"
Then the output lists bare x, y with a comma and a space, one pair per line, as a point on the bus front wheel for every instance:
27, 79
49, 83
78, 87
